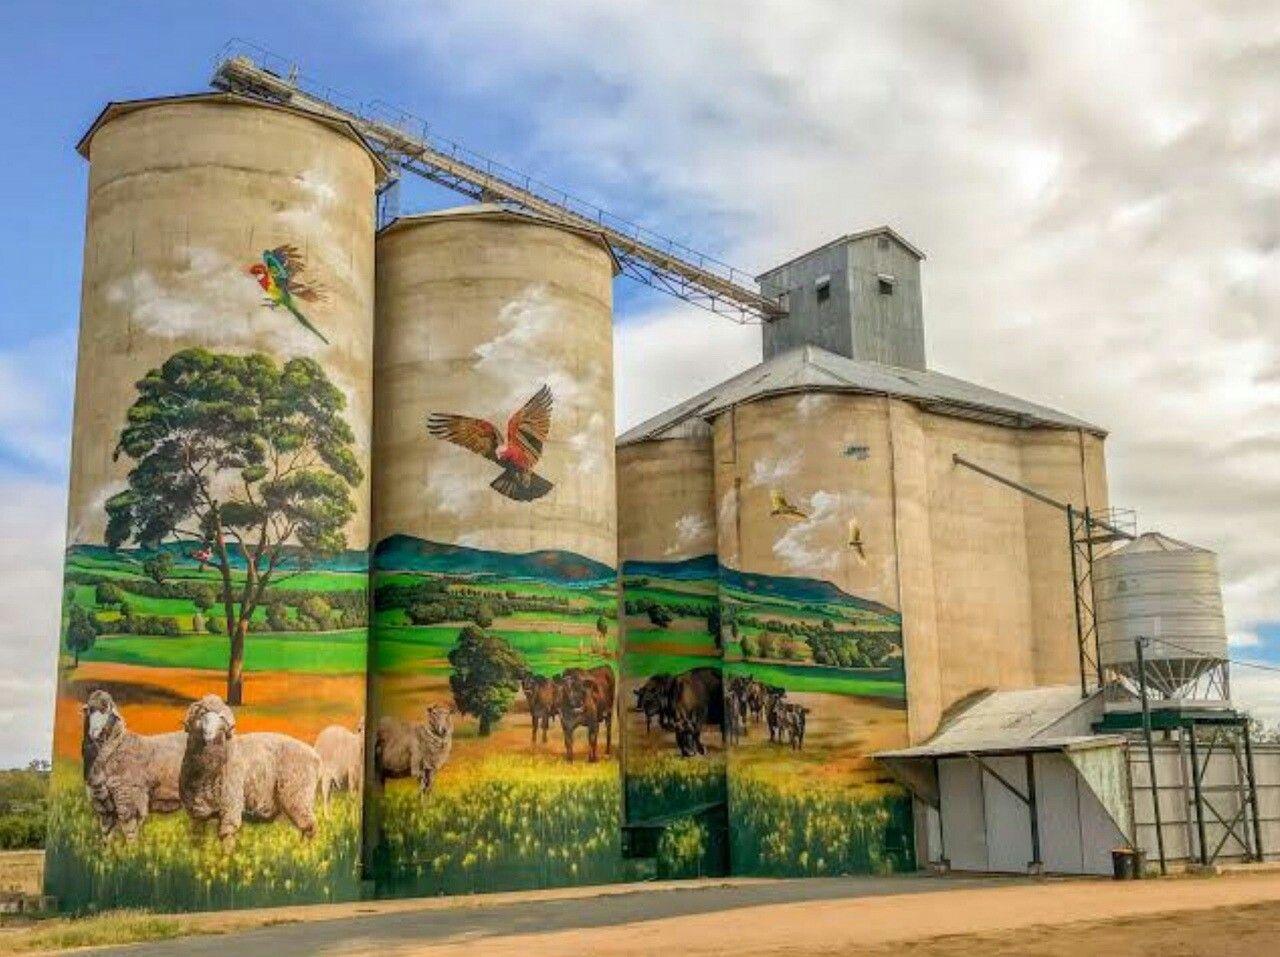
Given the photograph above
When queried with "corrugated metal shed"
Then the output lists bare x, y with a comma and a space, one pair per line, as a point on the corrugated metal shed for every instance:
1037, 719
813, 369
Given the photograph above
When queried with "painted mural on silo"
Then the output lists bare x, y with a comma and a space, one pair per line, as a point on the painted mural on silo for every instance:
494, 679
814, 674
672, 683
211, 674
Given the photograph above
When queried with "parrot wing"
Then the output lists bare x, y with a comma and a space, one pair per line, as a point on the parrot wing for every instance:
475, 435
527, 429
286, 265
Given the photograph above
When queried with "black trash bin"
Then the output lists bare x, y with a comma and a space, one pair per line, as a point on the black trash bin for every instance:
1127, 863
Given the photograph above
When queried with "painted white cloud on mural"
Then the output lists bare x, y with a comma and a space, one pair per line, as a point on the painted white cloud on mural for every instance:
311, 225
692, 532
813, 404
817, 543
213, 299
526, 353
775, 469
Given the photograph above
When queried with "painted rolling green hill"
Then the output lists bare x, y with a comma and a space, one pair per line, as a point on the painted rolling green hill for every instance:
406, 553
810, 590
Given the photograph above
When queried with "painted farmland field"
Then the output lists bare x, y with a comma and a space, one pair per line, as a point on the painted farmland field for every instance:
815, 685
675, 780
147, 629
480, 659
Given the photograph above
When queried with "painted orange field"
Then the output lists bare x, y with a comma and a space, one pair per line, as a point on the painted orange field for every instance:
408, 696
154, 700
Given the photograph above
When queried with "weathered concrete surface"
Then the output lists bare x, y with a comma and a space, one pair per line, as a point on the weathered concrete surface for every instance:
666, 499
477, 309
980, 573
184, 197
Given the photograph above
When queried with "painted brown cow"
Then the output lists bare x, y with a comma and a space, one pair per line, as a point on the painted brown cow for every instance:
586, 700
543, 697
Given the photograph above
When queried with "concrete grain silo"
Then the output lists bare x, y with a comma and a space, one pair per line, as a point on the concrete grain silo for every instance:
868, 585
494, 676
220, 448
671, 645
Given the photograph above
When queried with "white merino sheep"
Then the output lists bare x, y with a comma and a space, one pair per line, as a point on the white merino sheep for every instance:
233, 777
127, 775
405, 749
341, 759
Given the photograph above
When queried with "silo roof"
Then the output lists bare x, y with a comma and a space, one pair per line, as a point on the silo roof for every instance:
812, 369
500, 212
117, 108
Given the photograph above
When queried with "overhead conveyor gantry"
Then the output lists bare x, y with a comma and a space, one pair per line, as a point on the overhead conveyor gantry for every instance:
406, 143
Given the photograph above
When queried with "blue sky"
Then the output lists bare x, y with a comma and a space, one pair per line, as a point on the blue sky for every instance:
1136, 234
59, 74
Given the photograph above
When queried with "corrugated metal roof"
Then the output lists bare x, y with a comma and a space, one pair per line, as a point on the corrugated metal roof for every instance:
848, 238
1051, 718
811, 369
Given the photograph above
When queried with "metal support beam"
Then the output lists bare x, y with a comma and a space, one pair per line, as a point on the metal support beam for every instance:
1151, 753
1197, 790
1253, 790
1036, 863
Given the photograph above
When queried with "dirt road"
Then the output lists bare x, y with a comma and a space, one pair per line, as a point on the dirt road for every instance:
923, 917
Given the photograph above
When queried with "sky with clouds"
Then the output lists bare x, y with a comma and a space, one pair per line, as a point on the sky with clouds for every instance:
1097, 186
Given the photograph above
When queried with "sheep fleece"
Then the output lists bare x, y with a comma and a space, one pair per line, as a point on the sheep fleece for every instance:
264, 774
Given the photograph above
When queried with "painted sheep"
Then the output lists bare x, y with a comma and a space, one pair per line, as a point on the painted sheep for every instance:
406, 749
235, 777
341, 759
127, 775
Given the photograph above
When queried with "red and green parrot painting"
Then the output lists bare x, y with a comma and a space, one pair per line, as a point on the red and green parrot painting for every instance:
526, 432
279, 276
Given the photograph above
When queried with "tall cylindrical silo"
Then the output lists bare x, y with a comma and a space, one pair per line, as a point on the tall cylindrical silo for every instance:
809, 596
494, 682
674, 770
216, 568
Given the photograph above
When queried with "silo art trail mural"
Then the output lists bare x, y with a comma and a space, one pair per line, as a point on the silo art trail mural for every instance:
209, 732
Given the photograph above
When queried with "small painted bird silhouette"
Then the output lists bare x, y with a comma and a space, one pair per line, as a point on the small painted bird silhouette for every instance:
778, 505
855, 539
526, 432
279, 276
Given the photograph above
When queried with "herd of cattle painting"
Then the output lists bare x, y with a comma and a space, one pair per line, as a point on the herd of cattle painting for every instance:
769, 694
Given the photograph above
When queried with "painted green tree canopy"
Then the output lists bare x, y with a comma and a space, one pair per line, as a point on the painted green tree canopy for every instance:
248, 459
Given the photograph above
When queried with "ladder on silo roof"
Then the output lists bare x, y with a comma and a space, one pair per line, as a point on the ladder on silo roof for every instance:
405, 142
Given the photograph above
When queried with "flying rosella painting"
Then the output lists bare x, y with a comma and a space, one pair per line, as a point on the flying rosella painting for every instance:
280, 276
526, 432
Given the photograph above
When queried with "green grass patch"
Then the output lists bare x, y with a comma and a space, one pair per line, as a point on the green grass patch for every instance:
797, 677
328, 653
101, 930
641, 664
